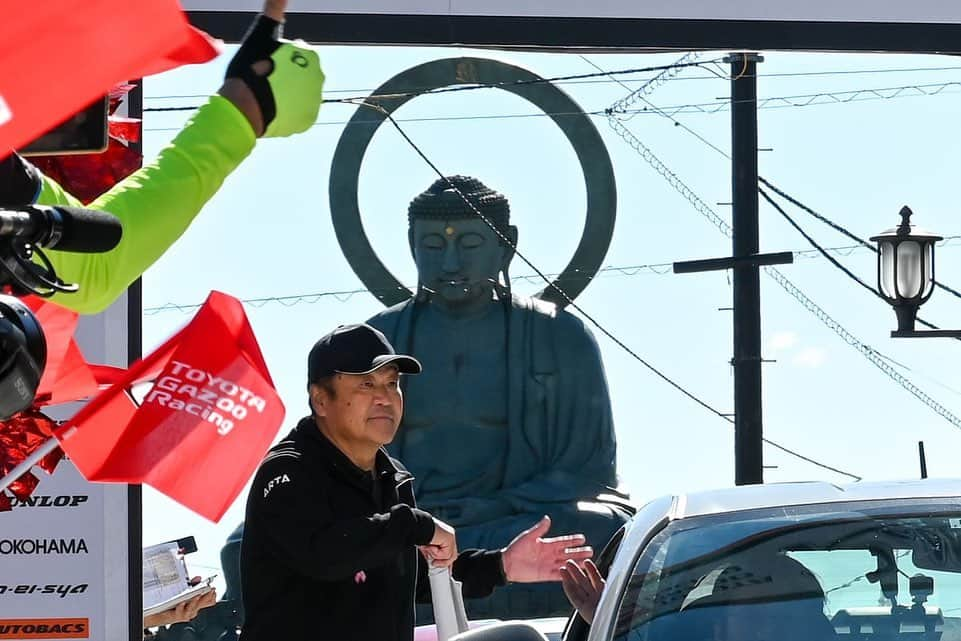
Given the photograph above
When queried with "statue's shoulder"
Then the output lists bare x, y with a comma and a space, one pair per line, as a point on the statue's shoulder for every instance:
386, 320
559, 322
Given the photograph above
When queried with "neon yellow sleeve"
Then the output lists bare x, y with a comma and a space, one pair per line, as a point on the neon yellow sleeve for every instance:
155, 205
51, 193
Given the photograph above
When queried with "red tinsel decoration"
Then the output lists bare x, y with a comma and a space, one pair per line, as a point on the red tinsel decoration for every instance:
67, 377
19, 437
87, 176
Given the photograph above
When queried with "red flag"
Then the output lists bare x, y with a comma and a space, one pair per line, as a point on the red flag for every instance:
67, 376
199, 46
60, 55
203, 426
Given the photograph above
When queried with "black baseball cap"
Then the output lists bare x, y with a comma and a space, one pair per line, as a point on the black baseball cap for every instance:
355, 349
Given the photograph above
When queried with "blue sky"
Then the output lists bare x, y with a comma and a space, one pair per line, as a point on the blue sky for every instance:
268, 233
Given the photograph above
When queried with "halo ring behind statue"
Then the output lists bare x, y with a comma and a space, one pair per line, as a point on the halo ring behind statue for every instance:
566, 114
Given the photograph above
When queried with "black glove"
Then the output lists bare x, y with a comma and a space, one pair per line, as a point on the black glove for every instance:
290, 93
260, 43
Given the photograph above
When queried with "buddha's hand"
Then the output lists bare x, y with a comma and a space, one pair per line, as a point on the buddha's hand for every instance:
276, 83
531, 557
442, 549
583, 585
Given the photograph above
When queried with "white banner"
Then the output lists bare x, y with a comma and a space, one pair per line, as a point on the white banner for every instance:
888, 11
59, 571
64, 551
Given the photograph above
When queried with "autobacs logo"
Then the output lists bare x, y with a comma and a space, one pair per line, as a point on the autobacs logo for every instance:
214, 399
44, 628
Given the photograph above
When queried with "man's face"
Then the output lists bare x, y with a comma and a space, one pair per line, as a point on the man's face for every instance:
365, 409
458, 260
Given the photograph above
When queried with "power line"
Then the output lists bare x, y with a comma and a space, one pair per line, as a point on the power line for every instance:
626, 101
844, 72
846, 232
590, 318
574, 305
835, 72
550, 283
516, 83
862, 242
517, 252
867, 351
808, 100
360, 100
833, 260
790, 287
707, 108
627, 271
640, 94
706, 211
815, 244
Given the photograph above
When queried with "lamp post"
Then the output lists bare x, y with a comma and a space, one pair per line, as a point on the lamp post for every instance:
906, 274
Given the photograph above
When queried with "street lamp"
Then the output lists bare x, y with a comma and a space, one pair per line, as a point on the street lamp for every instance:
906, 273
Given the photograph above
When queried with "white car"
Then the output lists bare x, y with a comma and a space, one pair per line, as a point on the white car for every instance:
781, 562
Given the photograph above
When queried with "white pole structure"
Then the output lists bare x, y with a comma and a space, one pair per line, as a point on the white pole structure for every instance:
449, 614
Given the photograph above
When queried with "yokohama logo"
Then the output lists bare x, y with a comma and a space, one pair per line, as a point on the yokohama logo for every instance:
43, 546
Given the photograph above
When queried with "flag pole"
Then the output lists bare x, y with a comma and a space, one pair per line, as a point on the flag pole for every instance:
45, 448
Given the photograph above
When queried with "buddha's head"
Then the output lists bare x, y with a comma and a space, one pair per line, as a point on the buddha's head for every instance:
459, 258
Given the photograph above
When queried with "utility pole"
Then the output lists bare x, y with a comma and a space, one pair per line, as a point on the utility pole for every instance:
748, 453
744, 262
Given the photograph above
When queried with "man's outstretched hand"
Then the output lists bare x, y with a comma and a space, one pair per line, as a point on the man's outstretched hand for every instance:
277, 84
531, 557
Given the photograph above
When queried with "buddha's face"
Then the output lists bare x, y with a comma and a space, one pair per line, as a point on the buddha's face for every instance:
458, 260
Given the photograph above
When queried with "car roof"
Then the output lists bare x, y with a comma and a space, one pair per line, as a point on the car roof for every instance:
748, 497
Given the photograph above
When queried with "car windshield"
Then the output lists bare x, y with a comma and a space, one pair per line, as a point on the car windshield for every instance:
868, 571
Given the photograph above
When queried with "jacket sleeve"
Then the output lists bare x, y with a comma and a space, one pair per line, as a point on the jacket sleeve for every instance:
155, 205
480, 571
293, 514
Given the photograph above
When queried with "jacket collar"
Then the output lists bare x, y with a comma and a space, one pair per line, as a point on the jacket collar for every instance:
383, 463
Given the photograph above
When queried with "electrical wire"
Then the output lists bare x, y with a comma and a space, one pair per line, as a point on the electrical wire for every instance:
843, 230
570, 301
835, 72
657, 269
793, 290
837, 263
586, 315
711, 108
793, 201
862, 244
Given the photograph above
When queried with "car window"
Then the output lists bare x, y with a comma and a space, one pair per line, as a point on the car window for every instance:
879, 571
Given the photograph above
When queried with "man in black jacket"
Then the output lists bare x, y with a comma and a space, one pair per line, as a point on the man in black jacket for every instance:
330, 547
